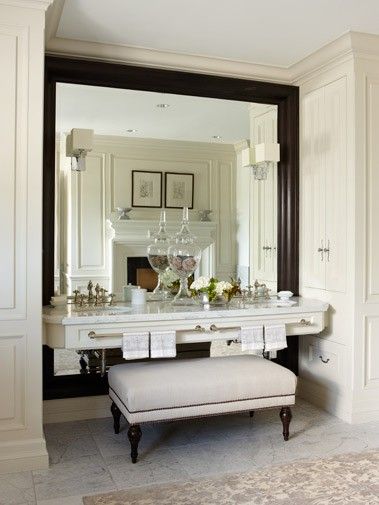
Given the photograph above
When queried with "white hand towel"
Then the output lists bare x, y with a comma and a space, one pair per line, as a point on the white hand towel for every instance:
163, 344
135, 345
252, 338
275, 337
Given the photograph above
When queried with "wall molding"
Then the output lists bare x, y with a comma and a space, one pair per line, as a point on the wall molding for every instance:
23, 455
29, 4
332, 53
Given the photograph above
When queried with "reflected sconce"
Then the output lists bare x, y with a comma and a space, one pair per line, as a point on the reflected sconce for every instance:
260, 157
78, 143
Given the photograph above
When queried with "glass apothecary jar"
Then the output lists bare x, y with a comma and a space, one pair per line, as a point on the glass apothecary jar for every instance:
157, 256
184, 258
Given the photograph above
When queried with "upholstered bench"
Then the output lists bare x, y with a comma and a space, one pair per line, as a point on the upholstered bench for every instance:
169, 390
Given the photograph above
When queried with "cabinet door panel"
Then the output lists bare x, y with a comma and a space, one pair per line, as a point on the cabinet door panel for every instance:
313, 189
335, 187
264, 199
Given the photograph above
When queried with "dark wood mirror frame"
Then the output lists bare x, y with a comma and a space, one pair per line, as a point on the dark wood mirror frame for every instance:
111, 75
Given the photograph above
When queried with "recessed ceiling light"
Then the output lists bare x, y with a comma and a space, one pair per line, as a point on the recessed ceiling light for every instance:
216, 137
131, 130
163, 105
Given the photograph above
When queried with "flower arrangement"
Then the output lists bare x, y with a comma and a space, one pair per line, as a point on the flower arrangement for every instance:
214, 288
169, 278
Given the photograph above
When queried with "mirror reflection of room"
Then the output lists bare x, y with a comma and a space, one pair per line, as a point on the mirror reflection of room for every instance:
124, 156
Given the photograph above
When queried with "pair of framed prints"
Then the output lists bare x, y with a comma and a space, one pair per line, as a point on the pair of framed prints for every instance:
147, 189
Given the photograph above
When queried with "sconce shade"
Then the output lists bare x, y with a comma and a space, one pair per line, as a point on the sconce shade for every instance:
79, 140
267, 152
248, 157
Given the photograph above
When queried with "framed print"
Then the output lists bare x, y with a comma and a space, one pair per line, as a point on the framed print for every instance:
146, 189
179, 190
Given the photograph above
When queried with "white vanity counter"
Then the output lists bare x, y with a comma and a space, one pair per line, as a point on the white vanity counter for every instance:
91, 329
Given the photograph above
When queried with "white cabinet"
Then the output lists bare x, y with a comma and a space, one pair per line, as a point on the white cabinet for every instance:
324, 199
263, 223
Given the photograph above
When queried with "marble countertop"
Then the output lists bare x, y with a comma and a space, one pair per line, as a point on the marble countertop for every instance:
165, 311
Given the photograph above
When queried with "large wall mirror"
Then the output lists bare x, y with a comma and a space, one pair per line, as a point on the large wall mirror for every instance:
154, 151
162, 140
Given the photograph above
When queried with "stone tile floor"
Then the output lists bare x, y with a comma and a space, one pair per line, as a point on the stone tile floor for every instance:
86, 457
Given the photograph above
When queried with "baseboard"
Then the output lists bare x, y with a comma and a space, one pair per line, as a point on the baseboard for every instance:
76, 409
366, 406
23, 455
327, 399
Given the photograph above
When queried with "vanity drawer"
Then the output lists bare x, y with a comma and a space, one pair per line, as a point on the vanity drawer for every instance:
99, 336
83, 337
322, 362
307, 324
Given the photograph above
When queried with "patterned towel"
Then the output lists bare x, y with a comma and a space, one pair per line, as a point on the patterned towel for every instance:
275, 337
252, 338
135, 345
163, 344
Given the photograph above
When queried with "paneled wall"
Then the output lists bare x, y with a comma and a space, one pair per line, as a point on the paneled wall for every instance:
366, 378
340, 236
92, 197
22, 445
256, 206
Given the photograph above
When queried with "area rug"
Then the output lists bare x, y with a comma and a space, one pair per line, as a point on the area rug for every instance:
349, 479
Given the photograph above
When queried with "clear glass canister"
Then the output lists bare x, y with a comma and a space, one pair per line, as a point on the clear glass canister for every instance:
157, 256
184, 258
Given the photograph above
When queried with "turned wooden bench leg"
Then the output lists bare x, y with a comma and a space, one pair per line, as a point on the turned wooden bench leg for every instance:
116, 413
286, 416
134, 435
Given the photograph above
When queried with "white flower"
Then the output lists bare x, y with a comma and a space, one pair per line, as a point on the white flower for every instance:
200, 283
222, 286
168, 277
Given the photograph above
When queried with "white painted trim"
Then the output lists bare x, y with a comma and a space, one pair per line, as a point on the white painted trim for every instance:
53, 17
163, 144
76, 409
28, 4
164, 59
23, 455
332, 401
331, 54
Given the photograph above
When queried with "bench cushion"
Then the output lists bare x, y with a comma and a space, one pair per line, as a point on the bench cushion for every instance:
184, 388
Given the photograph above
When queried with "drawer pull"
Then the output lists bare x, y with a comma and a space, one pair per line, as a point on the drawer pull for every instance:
93, 334
199, 328
305, 322
215, 328
324, 360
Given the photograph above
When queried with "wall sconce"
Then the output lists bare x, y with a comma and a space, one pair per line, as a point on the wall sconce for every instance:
78, 143
260, 157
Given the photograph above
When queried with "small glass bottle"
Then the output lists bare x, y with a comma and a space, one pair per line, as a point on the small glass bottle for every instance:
184, 258
157, 256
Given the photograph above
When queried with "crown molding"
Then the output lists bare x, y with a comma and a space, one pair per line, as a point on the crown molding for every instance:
165, 59
344, 48
29, 4
53, 17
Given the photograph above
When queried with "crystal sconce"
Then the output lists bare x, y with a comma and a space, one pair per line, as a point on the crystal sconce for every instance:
260, 157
